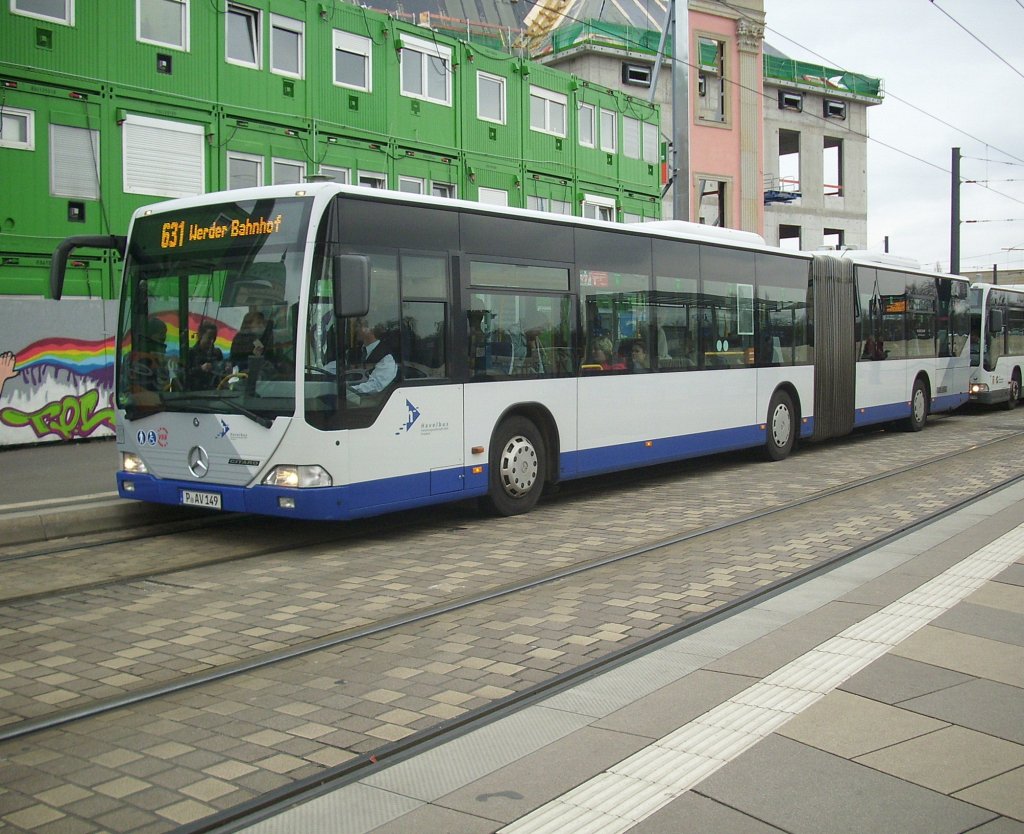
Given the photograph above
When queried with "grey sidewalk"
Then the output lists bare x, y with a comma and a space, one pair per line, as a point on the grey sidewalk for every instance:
54, 490
743, 727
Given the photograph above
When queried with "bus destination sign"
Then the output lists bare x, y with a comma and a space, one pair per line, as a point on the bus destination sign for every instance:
176, 233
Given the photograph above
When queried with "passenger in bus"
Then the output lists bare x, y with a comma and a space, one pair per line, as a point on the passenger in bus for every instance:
874, 349
250, 341
150, 364
639, 360
378, 360
205, 359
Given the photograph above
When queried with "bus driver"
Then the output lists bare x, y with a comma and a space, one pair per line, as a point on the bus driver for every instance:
378, 360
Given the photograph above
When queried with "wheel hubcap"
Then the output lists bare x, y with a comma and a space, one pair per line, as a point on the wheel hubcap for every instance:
919, 405
782, 426
519, 467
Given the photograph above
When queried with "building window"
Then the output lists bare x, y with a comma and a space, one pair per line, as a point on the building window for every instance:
548, 205
334, 174
789, 237
834, 109
287, 38
833, 238
547, 111
609, 131
426, 70
162, 157
637, 75
370, 179
599, 208
711, 80
74, 162
56, 11
651, 143
586, 124
711, 205
287, 172
244, 170
789, 161
243, 36
352, 55
631, 137
832, 165
445, 190
492, 197
788, 100
162, 22
411, 185
490, 97
17, 129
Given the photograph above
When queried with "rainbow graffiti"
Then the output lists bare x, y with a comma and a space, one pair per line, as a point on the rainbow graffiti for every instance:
79, 356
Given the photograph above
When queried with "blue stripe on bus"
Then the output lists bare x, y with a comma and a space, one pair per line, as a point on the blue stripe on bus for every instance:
457, 483
901, 411
662, 450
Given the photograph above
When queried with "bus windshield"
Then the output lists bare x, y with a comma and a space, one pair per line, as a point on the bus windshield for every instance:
209, 309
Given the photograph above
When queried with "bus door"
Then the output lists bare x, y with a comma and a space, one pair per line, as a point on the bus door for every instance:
389, 369
953, 339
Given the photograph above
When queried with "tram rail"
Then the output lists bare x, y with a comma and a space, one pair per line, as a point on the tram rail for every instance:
922, 481
336, 639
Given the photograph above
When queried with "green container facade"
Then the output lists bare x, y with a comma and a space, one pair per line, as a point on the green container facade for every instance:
99, 119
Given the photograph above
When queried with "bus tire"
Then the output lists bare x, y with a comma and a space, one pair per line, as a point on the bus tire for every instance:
918, 407
780, 436
516, 468
1014, 398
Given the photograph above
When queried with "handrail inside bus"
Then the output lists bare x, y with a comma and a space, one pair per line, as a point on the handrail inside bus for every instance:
59, 264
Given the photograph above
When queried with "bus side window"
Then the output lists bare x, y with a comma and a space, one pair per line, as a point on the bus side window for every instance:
424, 323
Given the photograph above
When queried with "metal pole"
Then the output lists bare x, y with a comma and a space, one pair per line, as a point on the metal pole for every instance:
681, 109
954, 221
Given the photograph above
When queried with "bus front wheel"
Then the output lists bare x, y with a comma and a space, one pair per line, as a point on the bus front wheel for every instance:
780, 436
515, 468
918, 407
1014, 397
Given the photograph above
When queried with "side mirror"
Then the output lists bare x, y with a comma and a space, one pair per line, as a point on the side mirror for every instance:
351, 277
995, 321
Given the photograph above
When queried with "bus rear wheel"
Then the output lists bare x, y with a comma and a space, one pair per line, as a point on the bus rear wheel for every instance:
780, 437
516, 468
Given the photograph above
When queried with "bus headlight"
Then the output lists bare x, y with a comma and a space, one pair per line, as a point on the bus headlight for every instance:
299, 477
132, 464
978, 388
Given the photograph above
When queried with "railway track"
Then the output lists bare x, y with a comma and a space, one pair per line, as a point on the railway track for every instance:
435, 648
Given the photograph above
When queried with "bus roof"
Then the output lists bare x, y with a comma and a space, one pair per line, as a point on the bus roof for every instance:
672, 229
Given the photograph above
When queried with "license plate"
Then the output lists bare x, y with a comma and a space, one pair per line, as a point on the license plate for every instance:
193, 498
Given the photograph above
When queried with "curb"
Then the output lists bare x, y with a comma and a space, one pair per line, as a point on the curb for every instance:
48, 524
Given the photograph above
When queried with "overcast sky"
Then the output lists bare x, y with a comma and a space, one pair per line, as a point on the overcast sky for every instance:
927, 61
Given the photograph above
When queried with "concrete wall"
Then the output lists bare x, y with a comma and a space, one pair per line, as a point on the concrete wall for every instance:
814, 211
56, 369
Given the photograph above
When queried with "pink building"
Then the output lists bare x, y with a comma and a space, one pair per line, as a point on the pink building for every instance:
724, 69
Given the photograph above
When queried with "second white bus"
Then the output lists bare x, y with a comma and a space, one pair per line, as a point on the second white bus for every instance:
997, 343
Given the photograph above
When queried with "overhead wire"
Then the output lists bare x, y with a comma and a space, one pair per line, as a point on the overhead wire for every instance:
979, 40
889, 93
744, 14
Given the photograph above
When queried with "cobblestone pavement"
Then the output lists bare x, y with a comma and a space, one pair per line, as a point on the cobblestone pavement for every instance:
177, 759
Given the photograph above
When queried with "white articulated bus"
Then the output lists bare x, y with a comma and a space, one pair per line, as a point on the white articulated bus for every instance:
506, 349
997, 343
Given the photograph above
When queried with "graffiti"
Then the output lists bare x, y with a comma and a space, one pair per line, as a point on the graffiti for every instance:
7, 369
72, 416
56, 388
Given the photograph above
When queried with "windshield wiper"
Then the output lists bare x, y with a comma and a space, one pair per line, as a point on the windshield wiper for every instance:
238, 408
204, 401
